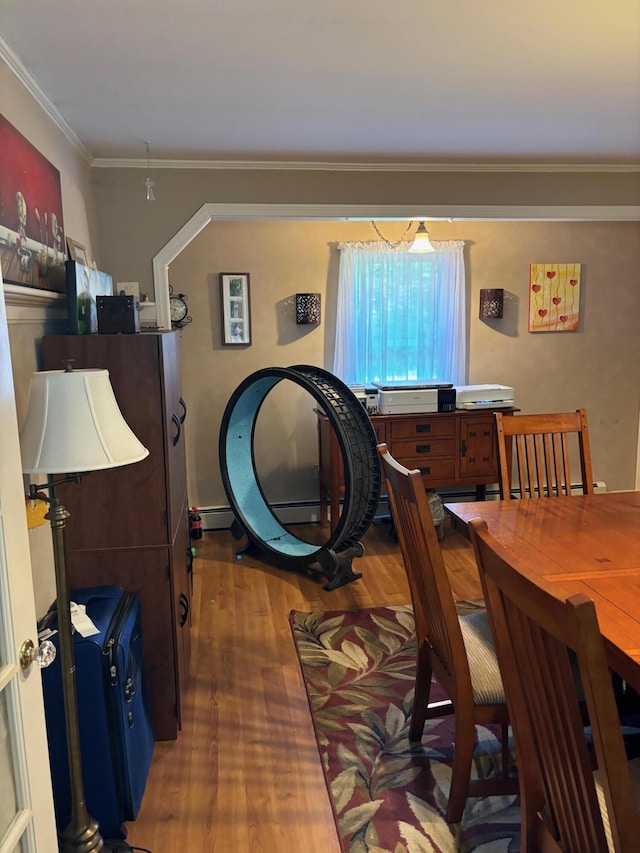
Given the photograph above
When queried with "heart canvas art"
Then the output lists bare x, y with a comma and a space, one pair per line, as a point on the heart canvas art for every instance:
554, 297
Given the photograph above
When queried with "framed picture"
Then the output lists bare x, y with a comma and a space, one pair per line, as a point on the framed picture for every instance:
77, 252
32, 251
554, 297
84, 285
236, 308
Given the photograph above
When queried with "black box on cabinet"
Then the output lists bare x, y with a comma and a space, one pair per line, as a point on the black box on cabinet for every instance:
118, 315
446, 399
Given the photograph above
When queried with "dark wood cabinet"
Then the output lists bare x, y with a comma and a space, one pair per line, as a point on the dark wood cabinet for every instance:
129, 525
449, 448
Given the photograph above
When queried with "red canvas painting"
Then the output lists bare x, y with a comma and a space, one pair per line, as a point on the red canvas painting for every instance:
32, 242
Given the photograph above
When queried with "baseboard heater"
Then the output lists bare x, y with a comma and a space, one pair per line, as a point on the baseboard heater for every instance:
308, 512
293, 512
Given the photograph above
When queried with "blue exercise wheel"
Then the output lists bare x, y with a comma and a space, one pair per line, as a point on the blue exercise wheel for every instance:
255, 519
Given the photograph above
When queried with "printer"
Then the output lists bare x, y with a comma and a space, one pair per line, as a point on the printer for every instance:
484, 397
367, 396
408, 397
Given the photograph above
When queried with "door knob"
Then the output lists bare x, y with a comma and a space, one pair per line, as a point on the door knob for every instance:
44, 655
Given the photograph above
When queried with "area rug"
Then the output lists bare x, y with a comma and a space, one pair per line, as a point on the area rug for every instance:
388, 795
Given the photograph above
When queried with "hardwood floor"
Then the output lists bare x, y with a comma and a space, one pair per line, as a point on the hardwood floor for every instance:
244, 775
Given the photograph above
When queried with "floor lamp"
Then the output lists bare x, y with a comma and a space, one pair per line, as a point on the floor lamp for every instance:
73, 426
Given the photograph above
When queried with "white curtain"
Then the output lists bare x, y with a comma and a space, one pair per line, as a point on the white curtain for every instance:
401, 316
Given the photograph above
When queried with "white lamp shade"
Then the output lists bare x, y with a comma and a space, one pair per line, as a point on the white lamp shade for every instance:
421, 242
74, 425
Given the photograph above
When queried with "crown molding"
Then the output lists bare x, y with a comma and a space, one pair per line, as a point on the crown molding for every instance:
43, 100
317, 166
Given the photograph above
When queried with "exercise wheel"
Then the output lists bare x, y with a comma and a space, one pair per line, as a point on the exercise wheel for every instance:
254, 517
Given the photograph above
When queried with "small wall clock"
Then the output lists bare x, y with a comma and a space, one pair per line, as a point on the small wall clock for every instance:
178, 310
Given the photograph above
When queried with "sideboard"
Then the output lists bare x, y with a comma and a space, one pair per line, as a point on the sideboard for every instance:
449, 448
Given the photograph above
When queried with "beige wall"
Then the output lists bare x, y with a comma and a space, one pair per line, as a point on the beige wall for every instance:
596, 367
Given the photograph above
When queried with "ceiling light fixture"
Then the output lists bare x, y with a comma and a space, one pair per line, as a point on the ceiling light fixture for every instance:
421, 242
419, 245
149, 183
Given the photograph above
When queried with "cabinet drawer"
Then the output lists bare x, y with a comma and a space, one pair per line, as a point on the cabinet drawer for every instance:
422, 448
424, 426
436, 469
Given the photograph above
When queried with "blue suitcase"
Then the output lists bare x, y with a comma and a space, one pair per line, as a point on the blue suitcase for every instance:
115, 723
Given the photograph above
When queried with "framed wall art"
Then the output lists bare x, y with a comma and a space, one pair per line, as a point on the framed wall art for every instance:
554, 297
77, 252
84, 285
236, 308
32, 243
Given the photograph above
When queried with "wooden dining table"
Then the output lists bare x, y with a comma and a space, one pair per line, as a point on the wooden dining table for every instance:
585, 543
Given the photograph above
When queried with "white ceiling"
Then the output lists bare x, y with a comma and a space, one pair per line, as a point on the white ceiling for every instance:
498, 81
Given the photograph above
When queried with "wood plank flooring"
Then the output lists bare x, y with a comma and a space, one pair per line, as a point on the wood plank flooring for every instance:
244, 775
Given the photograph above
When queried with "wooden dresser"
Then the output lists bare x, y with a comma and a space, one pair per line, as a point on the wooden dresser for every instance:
129, 525
450, 448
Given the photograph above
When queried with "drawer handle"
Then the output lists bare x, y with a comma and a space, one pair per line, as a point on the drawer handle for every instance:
426, 470
463, 448
178, 426
423, 448
423, 427
184, 608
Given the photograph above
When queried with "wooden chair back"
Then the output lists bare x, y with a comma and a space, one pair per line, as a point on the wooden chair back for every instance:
466, 669
534, 453
432, 599
537, 635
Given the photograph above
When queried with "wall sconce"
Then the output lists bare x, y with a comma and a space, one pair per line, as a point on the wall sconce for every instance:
308, 309
491, 303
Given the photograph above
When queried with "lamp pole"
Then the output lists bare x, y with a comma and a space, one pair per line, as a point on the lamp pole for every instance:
82, 834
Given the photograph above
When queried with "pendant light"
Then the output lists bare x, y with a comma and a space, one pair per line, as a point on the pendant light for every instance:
421, 242
149, 183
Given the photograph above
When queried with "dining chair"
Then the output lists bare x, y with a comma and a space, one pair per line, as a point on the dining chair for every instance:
542, 641
457, 649
534, 453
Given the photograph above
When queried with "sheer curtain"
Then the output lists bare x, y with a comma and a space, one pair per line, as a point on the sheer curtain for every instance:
401, 316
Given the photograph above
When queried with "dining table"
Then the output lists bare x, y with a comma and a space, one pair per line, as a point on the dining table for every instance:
580, 544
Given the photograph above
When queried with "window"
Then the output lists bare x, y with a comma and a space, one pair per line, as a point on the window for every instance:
400, 316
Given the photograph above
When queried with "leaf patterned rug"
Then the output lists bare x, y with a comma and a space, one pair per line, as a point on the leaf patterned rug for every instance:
388, 795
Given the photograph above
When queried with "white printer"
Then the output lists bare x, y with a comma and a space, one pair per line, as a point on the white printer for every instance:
484, 397
397, 398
